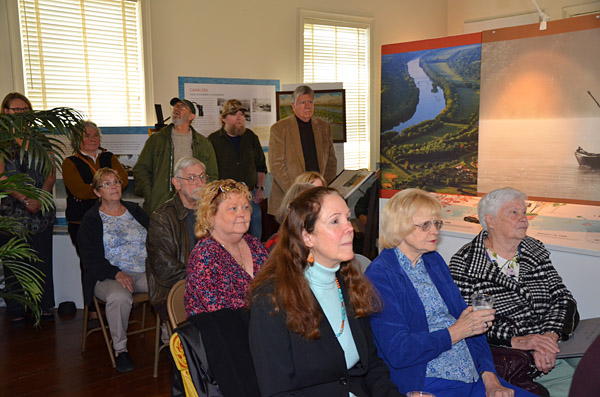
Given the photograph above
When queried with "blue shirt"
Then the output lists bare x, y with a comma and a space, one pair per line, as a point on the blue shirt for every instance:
124, 242
453, 364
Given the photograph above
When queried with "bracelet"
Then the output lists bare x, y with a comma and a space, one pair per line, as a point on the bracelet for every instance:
260, 188
25, 201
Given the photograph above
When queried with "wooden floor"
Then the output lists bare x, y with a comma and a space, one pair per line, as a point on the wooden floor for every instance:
49, 362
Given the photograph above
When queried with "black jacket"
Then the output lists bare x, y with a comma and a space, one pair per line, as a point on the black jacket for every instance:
287, 364
91, 247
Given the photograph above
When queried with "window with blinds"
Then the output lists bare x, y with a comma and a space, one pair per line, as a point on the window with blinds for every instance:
84, 54
337, 53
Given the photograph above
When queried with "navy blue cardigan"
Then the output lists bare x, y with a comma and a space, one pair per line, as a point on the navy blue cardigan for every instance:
401, 332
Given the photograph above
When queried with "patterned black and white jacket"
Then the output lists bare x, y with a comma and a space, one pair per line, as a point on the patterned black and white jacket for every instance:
537, 303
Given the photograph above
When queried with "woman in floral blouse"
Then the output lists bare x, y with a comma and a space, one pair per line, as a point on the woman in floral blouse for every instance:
226, 258
426, 333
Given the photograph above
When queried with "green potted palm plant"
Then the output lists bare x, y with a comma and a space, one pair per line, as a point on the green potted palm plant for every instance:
40, 132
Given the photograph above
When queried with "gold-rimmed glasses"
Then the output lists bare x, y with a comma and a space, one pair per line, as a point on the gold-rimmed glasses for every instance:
109, 184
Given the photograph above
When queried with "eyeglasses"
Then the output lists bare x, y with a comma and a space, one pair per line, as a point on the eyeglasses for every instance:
20, 110
195, 178
108, 184
426, 226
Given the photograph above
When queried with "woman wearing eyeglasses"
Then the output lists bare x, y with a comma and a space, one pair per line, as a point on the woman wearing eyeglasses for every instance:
112, 245
78, 172
426, 333
226, 258
39, 223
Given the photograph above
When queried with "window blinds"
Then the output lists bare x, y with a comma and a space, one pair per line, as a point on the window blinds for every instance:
335, 53
84, 54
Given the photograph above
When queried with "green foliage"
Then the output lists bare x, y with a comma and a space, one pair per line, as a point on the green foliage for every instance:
39, 131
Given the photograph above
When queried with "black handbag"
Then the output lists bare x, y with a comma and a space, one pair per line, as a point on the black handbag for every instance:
517, 367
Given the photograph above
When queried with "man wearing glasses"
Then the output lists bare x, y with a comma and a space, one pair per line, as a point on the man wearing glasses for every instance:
153, 171
171, 235
240, 157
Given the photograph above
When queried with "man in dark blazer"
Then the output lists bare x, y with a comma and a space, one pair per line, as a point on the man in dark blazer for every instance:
297, 144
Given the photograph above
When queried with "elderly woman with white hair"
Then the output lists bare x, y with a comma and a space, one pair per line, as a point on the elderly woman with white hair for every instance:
431, 340
534, 309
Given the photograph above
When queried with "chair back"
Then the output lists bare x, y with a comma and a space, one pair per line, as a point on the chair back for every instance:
176, 304
362, 261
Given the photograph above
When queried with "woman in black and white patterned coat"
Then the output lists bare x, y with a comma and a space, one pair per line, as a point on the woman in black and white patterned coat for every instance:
534, 309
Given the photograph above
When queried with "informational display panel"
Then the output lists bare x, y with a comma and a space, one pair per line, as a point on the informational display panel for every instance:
209, 95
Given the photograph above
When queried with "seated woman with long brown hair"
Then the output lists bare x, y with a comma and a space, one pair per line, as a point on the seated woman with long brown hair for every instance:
309, 308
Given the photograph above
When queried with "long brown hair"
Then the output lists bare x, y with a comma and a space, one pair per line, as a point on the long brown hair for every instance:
285, 267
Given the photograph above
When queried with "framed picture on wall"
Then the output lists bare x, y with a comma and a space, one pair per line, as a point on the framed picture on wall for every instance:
330, 105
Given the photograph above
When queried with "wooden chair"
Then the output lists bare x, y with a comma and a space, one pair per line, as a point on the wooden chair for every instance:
142, 298
176, 304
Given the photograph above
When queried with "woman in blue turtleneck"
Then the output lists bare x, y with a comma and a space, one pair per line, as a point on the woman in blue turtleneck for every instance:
309, 328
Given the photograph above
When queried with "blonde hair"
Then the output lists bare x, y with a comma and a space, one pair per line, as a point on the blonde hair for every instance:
295, 190
310, 177
397, 215
212, 195
101, 173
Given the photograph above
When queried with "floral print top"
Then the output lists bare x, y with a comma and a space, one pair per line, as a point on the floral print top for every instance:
509, 267
214, 278
453, 364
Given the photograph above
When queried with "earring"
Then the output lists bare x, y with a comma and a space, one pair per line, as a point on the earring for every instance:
311, 258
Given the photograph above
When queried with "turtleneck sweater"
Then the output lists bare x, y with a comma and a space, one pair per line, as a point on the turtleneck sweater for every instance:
322, 283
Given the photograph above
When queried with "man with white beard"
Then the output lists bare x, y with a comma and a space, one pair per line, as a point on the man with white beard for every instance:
240, 157
171, 235
153, 171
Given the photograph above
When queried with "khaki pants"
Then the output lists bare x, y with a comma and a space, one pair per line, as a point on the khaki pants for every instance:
118, 306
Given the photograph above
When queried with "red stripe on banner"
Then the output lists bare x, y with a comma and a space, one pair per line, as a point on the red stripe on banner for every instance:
430, 44
387, 193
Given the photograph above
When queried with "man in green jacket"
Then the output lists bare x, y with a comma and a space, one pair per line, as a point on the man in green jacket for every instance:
154, 169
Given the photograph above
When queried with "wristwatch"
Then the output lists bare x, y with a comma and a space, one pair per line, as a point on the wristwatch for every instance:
260, 188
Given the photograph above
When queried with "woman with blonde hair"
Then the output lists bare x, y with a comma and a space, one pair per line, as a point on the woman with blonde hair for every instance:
312, 177
426, 333
226, 257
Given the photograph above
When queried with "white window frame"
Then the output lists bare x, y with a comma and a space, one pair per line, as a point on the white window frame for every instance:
12, 7
309, 16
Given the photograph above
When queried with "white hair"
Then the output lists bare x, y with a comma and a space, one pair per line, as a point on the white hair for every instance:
491, 202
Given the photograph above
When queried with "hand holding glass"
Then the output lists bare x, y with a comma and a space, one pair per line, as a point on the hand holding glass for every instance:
419, 394
481, 301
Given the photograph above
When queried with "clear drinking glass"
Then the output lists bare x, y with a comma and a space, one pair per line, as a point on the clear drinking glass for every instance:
419, 394
481, 301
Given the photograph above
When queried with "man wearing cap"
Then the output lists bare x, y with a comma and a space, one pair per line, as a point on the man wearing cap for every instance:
297, 144
153, 171
240, 157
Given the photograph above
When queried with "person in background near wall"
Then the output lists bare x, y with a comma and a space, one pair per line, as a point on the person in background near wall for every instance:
39, 224
171, 235
297, 144
78, 173
240, 157
312, 177
534, 309
112, 243
153, 171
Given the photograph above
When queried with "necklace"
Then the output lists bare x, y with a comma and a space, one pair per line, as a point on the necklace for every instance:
239, 259
343, 308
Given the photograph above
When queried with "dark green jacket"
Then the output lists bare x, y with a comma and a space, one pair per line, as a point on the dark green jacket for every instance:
154, 169
241, 168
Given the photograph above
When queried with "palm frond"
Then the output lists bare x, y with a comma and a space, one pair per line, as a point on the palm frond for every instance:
25, 285
39, 129
23, 184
